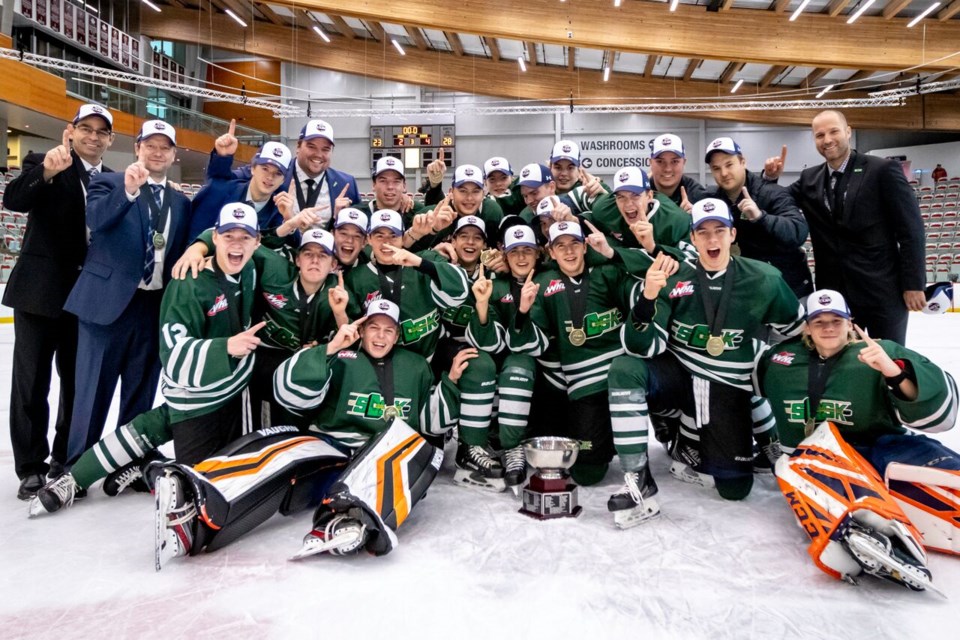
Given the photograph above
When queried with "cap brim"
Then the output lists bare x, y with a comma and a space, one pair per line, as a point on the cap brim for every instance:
575, 162
337, 225
396, 232
319, 135
726, 221
275, 163
680, 154
532, 245
729, 152
632, 188
836, 312
479, 183
237, 225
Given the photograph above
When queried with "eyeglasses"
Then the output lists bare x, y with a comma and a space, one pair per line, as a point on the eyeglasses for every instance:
103, 134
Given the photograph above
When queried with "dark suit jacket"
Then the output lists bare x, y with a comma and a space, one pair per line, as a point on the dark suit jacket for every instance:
118, 247
872, 249
337, 181
55, 242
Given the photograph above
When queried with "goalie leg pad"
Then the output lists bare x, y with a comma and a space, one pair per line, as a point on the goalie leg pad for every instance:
931, 499
827, 483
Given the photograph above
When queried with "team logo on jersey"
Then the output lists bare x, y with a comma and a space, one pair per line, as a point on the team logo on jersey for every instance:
458, 316
507, 298
220, 304
682, 288
598, 323
695, 336
414, 329
371, 406
555, 286
784, 357
276, 300
346, 353
838, 411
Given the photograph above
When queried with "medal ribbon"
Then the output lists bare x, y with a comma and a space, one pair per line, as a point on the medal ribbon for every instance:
158, 215
383, 367
233, 306
577, 297
818, 372
716, 316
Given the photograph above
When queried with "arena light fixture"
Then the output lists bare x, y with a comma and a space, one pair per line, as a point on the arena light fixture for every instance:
616, 3
823, 92
320, 32
522, 63
737, 86
859, 12
673, 4
606, 73
236, 18
923, 15
799, 10
398, 46
152, 6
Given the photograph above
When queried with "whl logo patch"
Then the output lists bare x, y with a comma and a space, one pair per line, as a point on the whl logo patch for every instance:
784, 357
220, 304
507, 298
276, 300
555, 286
682, 288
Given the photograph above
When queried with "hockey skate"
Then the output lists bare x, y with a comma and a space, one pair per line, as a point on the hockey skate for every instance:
634, 503
175, 519
476, 467
879, 556
340, 536
55, 495
129, 476
685, 461
515, 468
765, 457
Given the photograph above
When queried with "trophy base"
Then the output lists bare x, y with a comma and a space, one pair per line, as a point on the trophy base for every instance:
553, 503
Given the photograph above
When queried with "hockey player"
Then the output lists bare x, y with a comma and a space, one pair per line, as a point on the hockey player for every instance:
502, 185
207, 351
360, 401
694, 335
667, 164
579, 309
390, 190
868, 391
350, 237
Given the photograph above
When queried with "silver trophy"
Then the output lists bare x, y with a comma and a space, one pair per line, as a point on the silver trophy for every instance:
550, 493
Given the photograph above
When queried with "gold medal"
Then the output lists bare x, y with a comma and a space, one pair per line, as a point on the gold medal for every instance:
577, 337
488, 255
715, 346
159, 242
390, 413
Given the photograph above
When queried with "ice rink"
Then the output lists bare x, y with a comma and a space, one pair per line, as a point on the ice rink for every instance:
467, 566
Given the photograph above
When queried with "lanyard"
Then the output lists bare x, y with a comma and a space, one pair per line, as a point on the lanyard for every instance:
577, 303
818, 372
383, 368
233, 310
716, 315
304, 201
158, 214
391, 291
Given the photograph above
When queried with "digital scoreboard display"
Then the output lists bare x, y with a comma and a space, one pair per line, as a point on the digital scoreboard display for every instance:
412, 135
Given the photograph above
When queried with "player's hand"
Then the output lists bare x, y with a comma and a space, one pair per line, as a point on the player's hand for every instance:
226, 145
346, 335
642, 230
748, 208
561, 212
656, 278
284, 203
460, 363
406, 203
591, 184
685, 203
528, 293
436, 169
447, 251
670, 264
190, 262
874, 356
915, 300
401, 257
443, 215
498, 264
422, 225
773, 167
337, 296
596, 240
240, 345
342, 201
307, 218
58, 158
482, 287
134, 177
176, 186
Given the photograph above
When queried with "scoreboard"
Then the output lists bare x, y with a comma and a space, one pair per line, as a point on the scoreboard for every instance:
417, 145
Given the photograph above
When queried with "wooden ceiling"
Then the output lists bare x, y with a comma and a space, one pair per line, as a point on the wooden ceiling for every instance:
698, 50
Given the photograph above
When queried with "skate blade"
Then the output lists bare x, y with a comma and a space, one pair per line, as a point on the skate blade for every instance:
878, 562
162, 496
314, 545
687, 474
628, 518
474, 480
35, 507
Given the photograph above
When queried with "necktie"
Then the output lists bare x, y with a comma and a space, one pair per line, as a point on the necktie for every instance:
311, 191
148, 264
835, 178
93, 171
156, 189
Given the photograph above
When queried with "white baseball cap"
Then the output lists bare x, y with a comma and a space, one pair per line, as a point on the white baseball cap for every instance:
383, 307
566, 150
238, 215
667, 142
468, 173
317, 129
827, 301
518, 236
274, 153
157, 128
349, 215
387, 219
546, 206
87, 110
471, 221
725, 145
711, 209
939, 298
632, 179
497, 163
318, 236
535, 175
558, 229
388, 163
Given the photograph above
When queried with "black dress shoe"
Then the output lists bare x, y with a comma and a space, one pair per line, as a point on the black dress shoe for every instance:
56, 470
30, 485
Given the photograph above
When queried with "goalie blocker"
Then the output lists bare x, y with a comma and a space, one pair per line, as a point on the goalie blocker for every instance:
280, 469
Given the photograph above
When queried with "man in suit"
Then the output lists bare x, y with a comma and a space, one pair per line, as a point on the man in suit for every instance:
263, 188
315, 184
52, 190
138, 226
866, 229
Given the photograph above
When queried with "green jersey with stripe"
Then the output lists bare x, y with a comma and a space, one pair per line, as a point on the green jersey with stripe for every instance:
856, 397
490, 212
198, 374
343, 397
511, 202
760, 298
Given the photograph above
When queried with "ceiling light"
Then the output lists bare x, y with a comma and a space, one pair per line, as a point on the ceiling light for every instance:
398, 47
235, 17
616, 3
151, 5
523, 65
923, 15
736, 87
824, 91
796, 14
320, 32
859, 12
673, 4
606, 73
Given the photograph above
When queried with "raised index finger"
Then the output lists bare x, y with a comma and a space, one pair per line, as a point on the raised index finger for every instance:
233, 127
863, 334
592, 228
67, 133
340, 279
683, 194
441, 156
530, 276
783, 155
260, 325
344, 192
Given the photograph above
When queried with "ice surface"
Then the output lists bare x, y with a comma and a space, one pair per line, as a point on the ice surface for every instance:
468, 566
